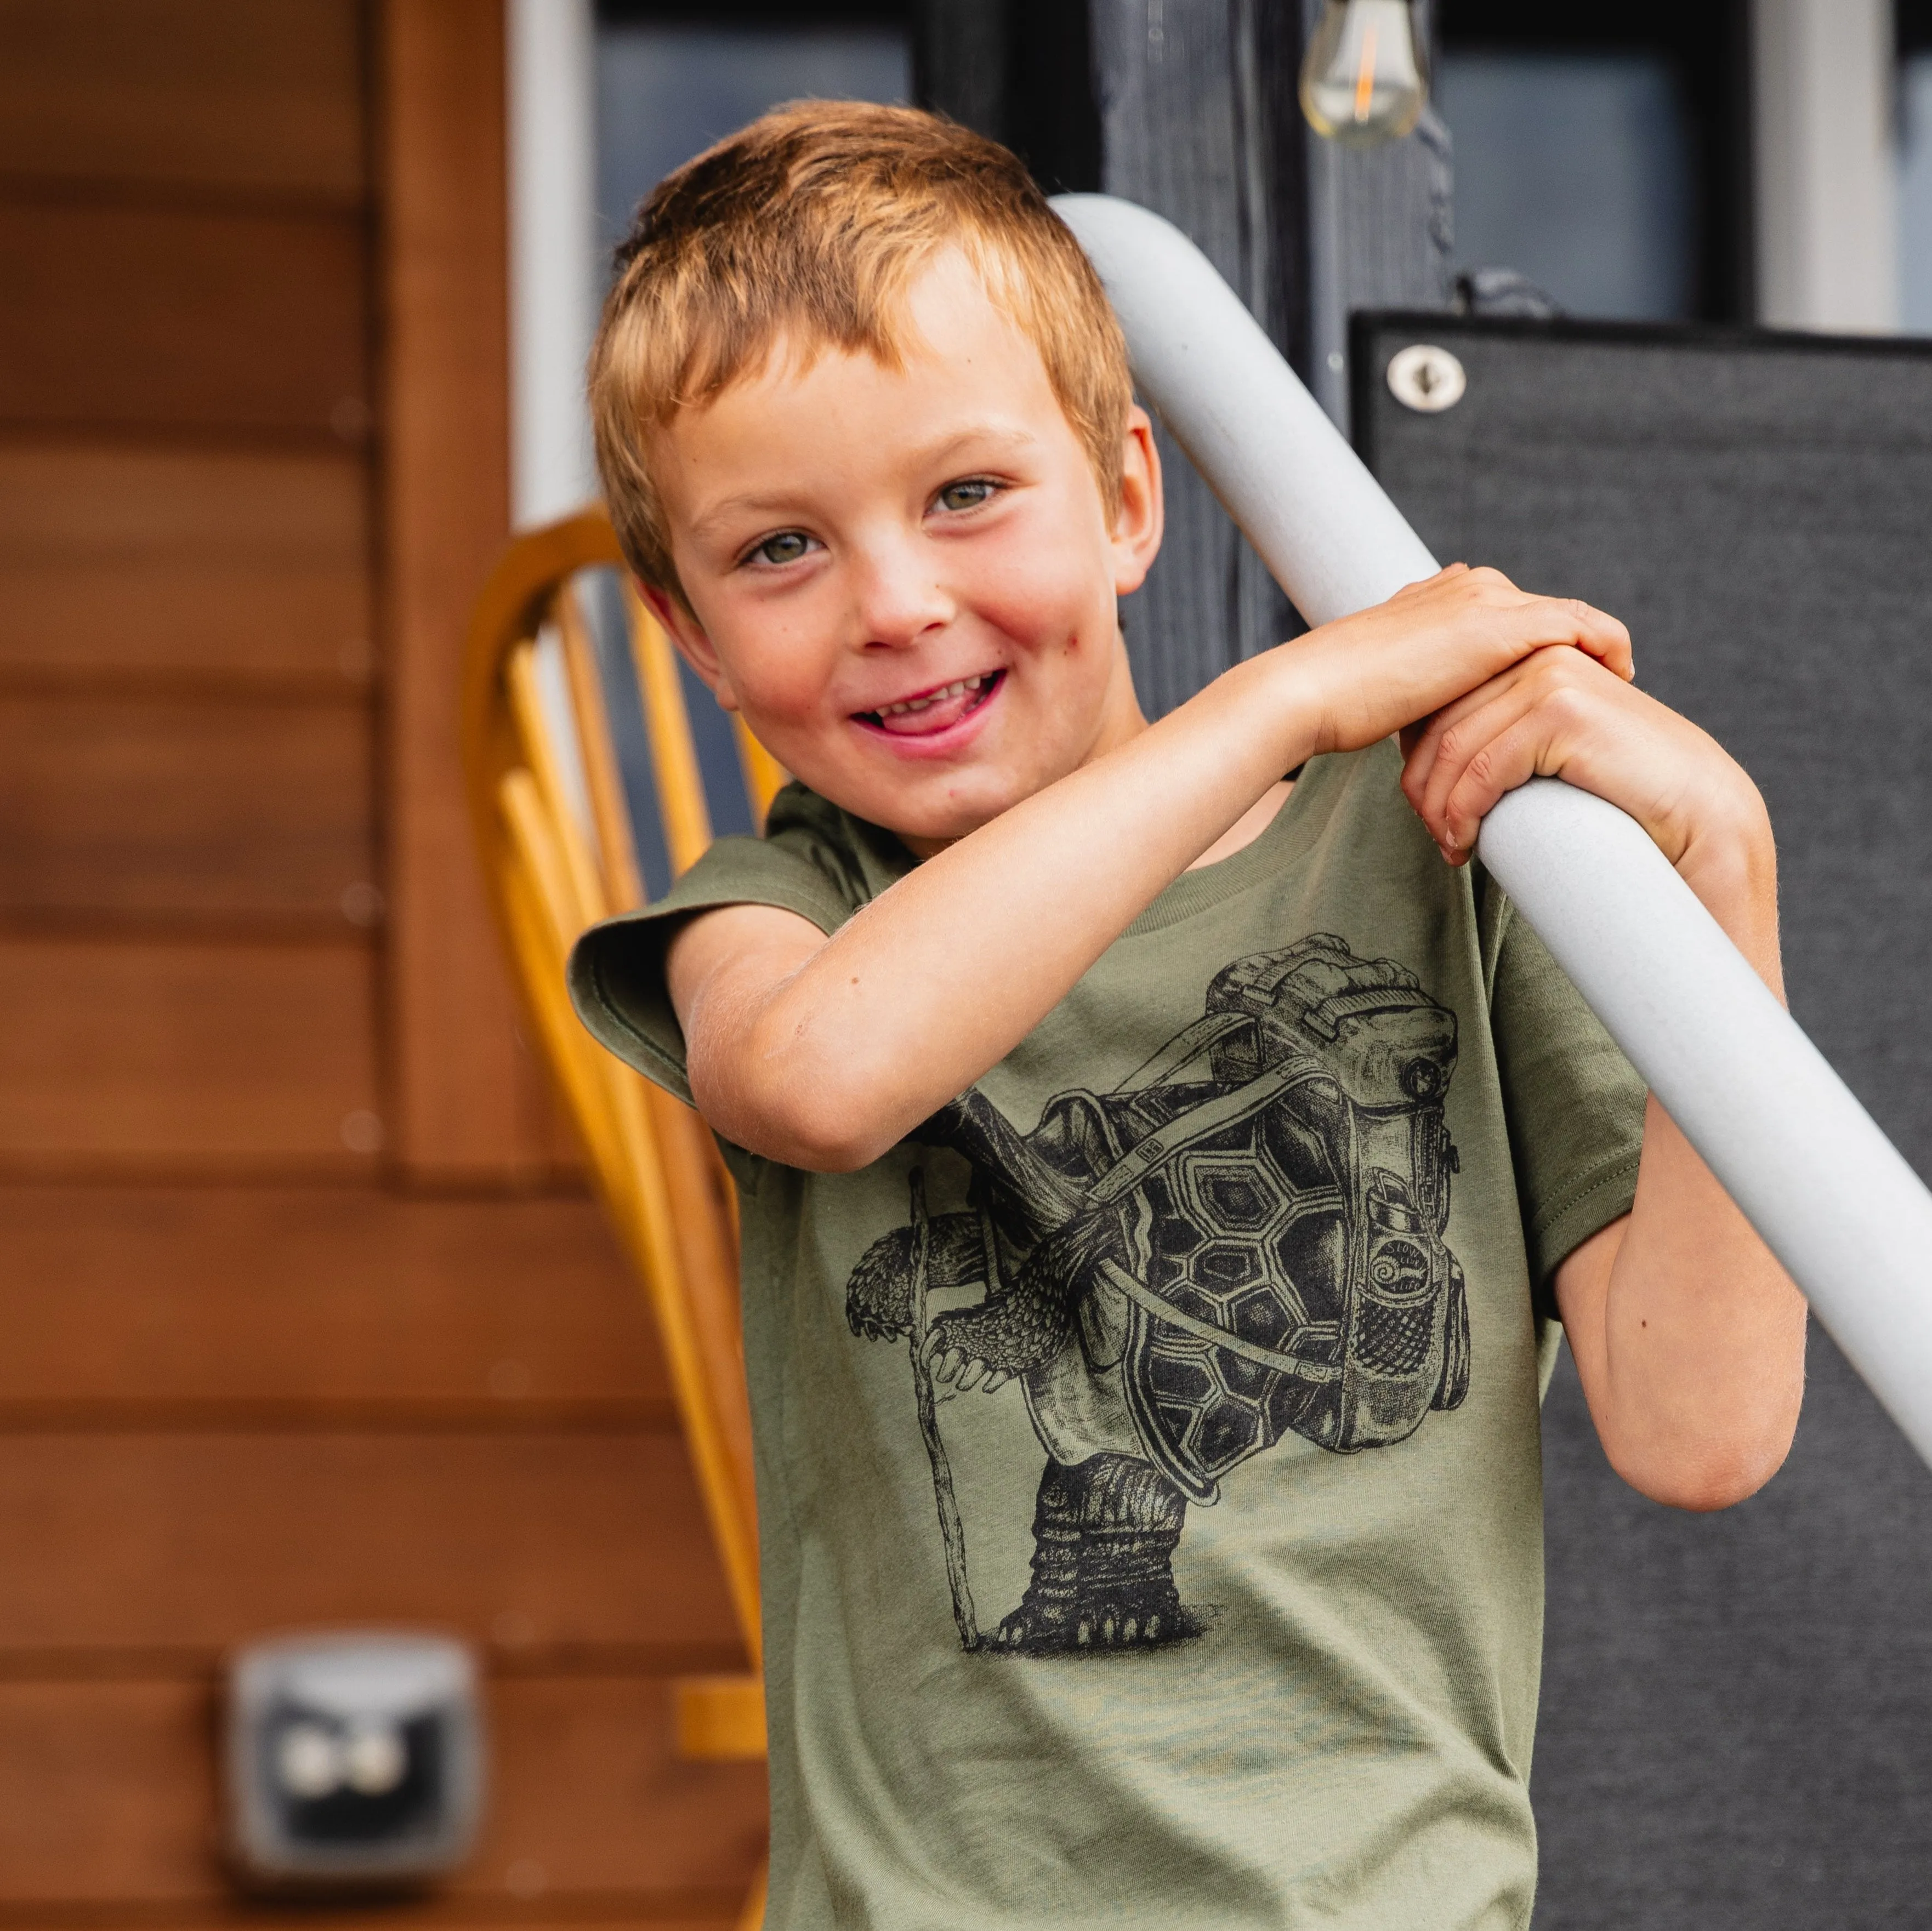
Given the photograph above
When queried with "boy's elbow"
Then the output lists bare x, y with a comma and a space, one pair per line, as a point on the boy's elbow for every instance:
1701, 1477
821, 1125
827, 1140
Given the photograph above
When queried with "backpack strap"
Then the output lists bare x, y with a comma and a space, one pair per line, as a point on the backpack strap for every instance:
1183, 1049
1211, 1116
1144, 1298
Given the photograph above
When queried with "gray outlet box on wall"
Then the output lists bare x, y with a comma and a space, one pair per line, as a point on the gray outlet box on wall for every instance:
352, 1758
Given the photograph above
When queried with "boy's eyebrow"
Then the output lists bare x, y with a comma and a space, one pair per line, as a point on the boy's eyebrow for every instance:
1011, 438
778, 502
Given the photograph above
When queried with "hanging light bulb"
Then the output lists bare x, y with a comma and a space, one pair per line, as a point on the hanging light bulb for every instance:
1364, 79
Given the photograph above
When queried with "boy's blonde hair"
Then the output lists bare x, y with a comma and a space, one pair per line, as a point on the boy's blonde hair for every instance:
808, 226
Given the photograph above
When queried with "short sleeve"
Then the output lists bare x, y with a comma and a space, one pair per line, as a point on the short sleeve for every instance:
813, 860
1574, 1105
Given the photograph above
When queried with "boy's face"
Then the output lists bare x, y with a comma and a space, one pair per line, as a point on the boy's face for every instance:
905, 580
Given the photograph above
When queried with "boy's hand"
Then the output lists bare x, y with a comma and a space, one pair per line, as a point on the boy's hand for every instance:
1559, 714
1373, 673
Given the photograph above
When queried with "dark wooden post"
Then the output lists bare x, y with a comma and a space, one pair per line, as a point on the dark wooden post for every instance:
1380, 225
1190, 100
1188, 107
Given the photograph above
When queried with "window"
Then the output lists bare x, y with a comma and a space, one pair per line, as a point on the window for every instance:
1602, 150
670, 81
1575, 170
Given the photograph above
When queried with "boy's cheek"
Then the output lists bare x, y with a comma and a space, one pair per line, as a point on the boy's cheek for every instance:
798, 720
780, 672
786, 720
1037, 602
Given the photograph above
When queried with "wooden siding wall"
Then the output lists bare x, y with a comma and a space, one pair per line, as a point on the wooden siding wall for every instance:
255, 1373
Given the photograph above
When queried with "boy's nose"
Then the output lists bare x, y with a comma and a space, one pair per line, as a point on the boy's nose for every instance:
900, 600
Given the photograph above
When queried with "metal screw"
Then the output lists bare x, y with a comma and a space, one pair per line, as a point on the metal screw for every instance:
1426, 378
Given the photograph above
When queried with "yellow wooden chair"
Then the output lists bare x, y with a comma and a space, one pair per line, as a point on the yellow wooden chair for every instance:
558, 847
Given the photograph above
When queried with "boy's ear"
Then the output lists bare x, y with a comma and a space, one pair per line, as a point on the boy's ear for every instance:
687, 635
1143, 512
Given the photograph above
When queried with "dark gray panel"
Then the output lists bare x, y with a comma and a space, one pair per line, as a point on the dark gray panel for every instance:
1737, 1726
1737, 1709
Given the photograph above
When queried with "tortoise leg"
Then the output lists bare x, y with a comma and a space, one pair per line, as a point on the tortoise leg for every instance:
1105, 1532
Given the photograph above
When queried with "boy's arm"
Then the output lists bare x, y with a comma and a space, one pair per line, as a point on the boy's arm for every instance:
1688, 1338
823, 1053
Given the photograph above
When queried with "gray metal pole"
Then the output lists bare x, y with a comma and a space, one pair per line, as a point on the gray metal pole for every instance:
1834, 1201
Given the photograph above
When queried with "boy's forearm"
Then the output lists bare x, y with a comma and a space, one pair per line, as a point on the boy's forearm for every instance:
1688, 1336
942, 975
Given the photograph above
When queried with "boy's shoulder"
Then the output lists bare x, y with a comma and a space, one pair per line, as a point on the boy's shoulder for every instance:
812, 856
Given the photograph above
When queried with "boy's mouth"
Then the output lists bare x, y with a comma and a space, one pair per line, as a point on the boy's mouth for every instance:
936, 710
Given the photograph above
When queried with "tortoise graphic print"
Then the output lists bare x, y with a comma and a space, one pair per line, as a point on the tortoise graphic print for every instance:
1243, 1239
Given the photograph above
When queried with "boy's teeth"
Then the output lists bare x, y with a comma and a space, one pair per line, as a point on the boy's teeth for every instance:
956, 690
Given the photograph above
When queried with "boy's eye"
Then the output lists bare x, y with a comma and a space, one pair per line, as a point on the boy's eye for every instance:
787, 546
967, 495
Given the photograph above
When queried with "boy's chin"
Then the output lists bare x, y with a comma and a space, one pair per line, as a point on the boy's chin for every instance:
926, 817
926, 832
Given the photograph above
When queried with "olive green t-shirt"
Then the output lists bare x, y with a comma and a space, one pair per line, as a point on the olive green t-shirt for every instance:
1147, 1452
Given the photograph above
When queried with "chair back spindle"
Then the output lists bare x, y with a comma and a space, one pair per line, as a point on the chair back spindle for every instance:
560, 850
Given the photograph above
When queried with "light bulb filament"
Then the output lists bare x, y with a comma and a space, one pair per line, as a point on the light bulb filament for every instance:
1365, 77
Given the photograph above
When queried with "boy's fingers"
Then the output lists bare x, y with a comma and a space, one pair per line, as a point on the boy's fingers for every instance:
1543, 620
1423, 741
1561, 708
1493, 634
1461, 745
1498, 736
1540, 663
1441, 769
1512, 757
1549, 620
1602, 637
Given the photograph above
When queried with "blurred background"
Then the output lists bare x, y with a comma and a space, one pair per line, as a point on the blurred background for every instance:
306, 1319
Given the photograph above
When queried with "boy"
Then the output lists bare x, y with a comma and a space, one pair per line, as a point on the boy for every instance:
1220, 1152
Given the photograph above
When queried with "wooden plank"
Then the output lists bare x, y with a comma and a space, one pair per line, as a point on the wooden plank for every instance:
313, 1298
591, 1796
179, 566
225, 94
542, 1542
154, 318
470, 1103
186, 805
108, 1797
113, 1790
219, 1057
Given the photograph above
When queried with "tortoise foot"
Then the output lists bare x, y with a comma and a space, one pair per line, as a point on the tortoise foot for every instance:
1104, 1537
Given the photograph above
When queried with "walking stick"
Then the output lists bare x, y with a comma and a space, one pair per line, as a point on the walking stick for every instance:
951, 1531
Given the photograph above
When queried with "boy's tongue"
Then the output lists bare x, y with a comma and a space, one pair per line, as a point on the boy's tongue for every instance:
940, 712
